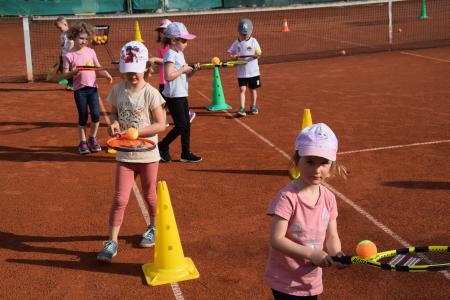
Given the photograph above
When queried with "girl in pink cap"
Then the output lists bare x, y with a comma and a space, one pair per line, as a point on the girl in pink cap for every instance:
304, 219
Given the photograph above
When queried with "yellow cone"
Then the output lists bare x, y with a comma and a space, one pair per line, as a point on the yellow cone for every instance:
169, 264
137, 32
294, 173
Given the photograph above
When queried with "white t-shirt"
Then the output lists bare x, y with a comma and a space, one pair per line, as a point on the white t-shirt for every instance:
178, 87
134, 110
65, 44
246, 47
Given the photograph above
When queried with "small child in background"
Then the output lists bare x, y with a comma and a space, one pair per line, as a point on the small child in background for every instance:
162, 49
135, 103
247, 48
66, 44
84, 84
175, 92
304, 219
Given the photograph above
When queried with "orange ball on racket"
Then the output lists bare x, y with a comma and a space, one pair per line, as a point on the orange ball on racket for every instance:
215, 61
366, 249
132, 133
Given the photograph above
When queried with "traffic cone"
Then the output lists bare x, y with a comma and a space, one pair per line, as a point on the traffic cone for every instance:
294, 173
169, 264
137, 32
423, 11
218, 99
285, 27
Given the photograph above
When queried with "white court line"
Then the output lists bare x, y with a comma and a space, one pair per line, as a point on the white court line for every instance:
394, 147
175, 286
346, 199
425, 56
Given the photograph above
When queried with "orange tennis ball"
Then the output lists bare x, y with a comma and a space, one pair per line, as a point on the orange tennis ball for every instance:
132, 133
215, 61
366, 249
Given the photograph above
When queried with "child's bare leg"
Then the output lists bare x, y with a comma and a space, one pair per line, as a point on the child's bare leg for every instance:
243, 89
114, 233
94, 128
82, 132
254, 95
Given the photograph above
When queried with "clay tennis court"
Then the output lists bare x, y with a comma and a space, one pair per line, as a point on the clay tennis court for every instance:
390, 111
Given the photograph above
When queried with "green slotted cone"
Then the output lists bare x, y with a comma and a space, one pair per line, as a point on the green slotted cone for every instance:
218, 99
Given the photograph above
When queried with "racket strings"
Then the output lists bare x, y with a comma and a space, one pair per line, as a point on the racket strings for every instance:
419, 258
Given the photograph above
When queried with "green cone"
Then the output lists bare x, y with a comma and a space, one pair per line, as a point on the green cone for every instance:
218, 99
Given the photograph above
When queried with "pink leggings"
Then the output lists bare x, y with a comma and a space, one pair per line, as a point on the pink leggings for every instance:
126, 173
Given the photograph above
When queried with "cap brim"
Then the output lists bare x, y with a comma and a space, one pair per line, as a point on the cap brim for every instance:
312, 151
188, 36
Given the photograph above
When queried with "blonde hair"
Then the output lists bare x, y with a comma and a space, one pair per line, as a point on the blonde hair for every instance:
337, 169
60, 20
78, 28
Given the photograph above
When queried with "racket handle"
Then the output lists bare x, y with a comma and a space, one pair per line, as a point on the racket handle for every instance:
346, 260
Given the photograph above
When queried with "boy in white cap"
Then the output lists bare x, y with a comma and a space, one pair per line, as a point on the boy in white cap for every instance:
248, 74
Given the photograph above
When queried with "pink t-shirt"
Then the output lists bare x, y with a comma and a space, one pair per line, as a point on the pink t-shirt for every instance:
161, 52
86, 58
307, 226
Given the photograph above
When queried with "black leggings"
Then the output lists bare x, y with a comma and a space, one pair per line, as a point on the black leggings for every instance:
179, 109
282, 296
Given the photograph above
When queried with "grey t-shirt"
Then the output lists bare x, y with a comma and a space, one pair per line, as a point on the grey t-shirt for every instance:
179, 86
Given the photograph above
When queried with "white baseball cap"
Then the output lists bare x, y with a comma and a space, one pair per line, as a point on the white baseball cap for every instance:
133, 58
163, 24
317, 140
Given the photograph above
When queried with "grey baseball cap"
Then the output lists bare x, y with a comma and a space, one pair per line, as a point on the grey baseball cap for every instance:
245, 26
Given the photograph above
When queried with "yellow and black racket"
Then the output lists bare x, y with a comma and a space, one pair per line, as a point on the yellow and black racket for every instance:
122, 143
224, 64
412, 259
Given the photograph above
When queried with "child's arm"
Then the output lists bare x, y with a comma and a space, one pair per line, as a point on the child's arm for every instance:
170, 73
280, 242
159, 115
69, 74
114, 126
106, 74
332, 240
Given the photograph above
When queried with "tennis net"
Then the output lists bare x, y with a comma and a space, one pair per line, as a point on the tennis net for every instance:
315, 31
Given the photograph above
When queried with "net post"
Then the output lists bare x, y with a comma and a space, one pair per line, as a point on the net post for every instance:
27, 42
390, 23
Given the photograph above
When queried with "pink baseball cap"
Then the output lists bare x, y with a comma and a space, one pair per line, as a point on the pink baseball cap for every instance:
163, 24
317, 140
133, 58
177, 30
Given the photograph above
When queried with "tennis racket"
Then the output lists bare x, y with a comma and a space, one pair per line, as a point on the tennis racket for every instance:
248, 56
225, 64
90, 68
121, 143
412, 259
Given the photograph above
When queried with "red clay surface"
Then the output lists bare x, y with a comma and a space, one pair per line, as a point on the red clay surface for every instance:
55, 202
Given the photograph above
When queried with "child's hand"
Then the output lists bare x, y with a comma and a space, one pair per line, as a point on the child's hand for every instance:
338, 264
110, 78
114, 129
187, 69
196, 66
321, 259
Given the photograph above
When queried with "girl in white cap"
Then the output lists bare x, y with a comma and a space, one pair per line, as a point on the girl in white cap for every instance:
304, 219
135, 103
176, 91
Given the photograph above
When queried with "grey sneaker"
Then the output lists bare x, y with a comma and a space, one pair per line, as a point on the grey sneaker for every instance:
83, 148
241, 112
93, 144
148, 238
254, 110
109, 251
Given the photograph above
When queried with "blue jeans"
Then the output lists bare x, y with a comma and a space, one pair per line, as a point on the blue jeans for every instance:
84, 98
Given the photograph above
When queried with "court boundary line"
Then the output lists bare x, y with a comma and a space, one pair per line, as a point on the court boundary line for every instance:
176, 289
346, 199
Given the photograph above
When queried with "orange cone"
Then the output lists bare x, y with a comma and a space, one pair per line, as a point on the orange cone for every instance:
285, 27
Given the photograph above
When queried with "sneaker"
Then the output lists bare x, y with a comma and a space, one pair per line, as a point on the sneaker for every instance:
109, 251
63, 81
253, 110
83, 148
241, 112
164, 153
148, 238
93, 145
192, 115
190, 157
